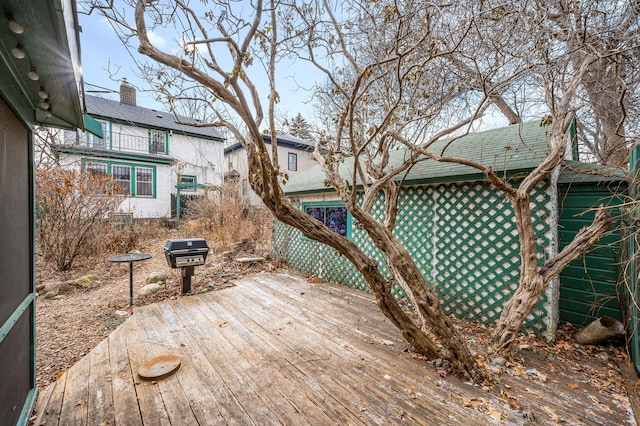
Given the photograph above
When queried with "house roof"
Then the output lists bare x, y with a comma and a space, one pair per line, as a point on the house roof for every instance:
575, 172
137, 115
513, 148
50, 44
285, 140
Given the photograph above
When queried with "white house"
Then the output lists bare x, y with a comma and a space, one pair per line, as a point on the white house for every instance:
146, 152
295, 155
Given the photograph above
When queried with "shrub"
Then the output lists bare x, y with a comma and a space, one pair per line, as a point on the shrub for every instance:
223, 218
70, 205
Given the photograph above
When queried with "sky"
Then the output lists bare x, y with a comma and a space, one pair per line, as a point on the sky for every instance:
106, 62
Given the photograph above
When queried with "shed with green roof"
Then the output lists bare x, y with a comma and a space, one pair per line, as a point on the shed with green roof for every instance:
460, 229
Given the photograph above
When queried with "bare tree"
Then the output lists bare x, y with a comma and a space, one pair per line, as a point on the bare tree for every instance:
604, 33
220, 47
414, 73
391, 81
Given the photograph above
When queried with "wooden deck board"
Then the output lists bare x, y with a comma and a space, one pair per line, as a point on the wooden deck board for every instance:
53, 405
274, 350
76, 394
100, 392
387, 396
125, 400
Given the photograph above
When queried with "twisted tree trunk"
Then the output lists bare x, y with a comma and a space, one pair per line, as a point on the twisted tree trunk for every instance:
533, 278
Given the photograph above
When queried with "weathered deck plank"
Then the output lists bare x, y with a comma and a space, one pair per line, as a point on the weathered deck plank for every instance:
152, 408
267, 364
276, 350
360, 369
53, 405
100, 394
234, 367
76, 394
156, 342
125, 400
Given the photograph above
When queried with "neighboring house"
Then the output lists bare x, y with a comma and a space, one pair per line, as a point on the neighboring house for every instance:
146, 153
295, 156
39, 56
460, 229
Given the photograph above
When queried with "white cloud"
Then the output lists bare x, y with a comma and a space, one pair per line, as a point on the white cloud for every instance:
156, 39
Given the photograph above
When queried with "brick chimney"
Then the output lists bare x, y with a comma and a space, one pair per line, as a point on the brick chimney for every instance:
127, 93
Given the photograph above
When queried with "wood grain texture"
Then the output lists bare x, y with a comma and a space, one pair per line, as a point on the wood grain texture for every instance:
277, 350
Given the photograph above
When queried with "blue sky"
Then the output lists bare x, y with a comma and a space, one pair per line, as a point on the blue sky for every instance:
105, 62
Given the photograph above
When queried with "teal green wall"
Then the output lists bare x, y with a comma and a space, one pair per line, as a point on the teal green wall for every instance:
588, 286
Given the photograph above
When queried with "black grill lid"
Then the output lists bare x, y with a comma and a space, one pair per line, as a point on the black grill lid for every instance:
195, 245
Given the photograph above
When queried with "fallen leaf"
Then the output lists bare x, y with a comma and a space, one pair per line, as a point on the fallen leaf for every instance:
514, 405
572, 385
494, 413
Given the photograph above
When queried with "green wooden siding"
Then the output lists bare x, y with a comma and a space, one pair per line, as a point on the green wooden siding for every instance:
588, 284
461, 236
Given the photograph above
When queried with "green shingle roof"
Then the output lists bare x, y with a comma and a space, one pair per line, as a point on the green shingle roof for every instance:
512, 148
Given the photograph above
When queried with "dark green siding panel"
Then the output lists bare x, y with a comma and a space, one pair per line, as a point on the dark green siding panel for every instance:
610, 239
588, 284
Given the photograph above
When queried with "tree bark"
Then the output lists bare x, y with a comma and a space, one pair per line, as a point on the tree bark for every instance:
534, 279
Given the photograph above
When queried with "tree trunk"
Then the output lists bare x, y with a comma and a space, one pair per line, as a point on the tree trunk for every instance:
424, 300
533, 278
531, 284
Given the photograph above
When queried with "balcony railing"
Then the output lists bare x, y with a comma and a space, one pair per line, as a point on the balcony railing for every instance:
121, 142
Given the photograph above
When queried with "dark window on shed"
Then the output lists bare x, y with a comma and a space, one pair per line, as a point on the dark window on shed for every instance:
333, 214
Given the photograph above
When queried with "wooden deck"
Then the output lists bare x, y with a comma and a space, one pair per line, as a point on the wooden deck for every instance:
275, 349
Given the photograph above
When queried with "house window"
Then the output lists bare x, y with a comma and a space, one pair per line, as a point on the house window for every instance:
95, 142
121, 178
188, 179
134, 180
97, 169
144, 182
293, 162
158, 142
230, 161
245, 186
333, 214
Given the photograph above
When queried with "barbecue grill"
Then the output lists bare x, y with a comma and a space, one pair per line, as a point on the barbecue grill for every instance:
186, 254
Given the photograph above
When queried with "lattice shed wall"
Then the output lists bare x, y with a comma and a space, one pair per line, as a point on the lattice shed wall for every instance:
464, 240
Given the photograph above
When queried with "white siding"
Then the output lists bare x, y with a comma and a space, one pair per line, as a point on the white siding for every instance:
238, 157
197, 157
190, 155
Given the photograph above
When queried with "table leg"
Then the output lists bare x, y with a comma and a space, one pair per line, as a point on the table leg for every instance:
130, 283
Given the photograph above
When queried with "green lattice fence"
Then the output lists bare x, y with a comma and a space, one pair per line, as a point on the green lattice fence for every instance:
462, 237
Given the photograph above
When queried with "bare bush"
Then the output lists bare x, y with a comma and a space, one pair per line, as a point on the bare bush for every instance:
70, 204
224, 218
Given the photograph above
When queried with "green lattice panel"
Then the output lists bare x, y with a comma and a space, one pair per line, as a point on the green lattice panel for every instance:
314, 258
476, 266
361, 238
462, 237
413, 225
